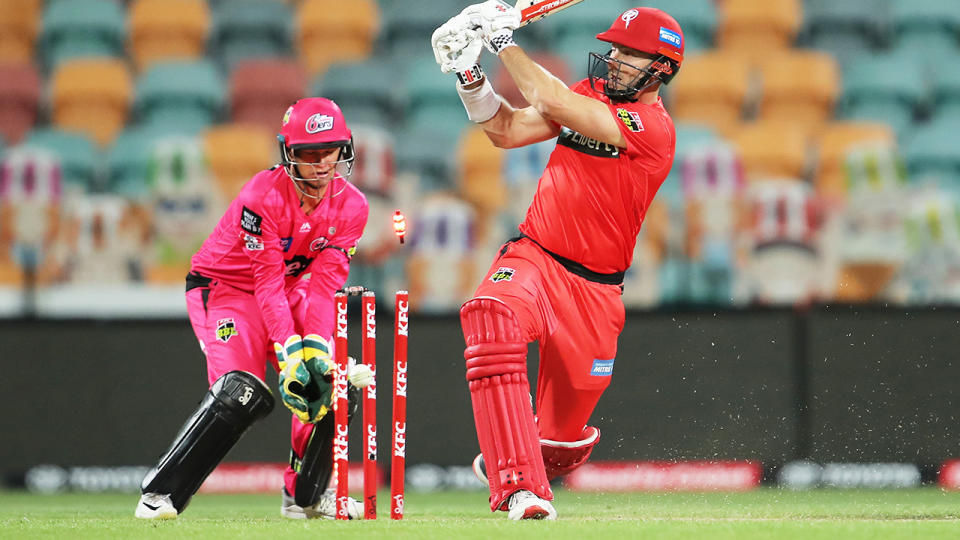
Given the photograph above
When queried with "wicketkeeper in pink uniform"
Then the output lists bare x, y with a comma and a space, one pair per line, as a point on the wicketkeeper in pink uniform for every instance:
560, 281
261, 290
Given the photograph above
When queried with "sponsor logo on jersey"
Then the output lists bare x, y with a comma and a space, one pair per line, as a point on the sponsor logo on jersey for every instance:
669, 36
318, 243
602, 368
319, 122
253, 243
586, 145
285, 242
631, 119
251, 221
226, 329
305, 227
502, 274
297, 265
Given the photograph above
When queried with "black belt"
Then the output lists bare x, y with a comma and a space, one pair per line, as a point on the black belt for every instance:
572, 266
195, 280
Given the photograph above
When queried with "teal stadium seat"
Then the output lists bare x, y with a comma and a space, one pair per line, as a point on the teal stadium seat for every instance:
946, 90
926, 25
372, 85
78, 156
188, 94
128, 159
887, 87
407, 26
246, 29
82, 28
931, 150
846, 29
429, 153
431, 96
697, 18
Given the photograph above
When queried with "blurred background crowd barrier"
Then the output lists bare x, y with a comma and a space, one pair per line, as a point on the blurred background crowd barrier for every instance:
816, 153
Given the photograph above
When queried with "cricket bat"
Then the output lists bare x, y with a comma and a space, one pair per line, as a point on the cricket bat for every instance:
534, 10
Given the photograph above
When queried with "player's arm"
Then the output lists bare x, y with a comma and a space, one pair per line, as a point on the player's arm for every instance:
509, 127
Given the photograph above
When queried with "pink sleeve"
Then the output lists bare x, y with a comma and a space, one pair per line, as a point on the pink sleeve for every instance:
262, 244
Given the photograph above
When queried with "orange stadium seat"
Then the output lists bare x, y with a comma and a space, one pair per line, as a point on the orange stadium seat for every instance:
799, 86
481, 172
261, 90
711, 91
753, 28
19, 100
92, 96
833, 142
167, 30
19, 25
336, 31
237, 152
771, 150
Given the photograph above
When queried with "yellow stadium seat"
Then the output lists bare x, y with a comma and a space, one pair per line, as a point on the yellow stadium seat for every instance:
755, 27
800, 87
237, 152
833, 142
771, 150
481, 172
167, 30
711, 90
336, 31
92, 96
19, 25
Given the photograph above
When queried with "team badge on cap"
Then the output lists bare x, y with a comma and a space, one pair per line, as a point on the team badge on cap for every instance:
628, 16
319, 122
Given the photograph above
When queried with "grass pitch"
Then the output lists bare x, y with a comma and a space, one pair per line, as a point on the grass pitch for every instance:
763, 513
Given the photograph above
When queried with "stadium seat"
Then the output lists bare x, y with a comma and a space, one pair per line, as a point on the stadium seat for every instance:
430, 92
711, 91
755, 28
19, 100
799, 86
845, 29
697, 18
246, 29
237, 152
261, 90
335, 31
932, 150
481, 173
429, 153
771, 149
82, 28
374, 170
78, 156
945, 90
167, 30
19, 25
926, 24
127, 162
373, 84
885, 87
186, 94
833, 142
92, 95
407, 26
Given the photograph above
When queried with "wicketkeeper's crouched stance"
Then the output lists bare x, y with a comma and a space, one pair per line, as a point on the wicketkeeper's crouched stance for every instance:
249, 305
560, 281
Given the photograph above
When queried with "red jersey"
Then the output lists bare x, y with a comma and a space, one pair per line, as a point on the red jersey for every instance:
593, 196
264, 244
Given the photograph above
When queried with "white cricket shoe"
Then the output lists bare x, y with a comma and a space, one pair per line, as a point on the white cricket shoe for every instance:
526, 505
155, 506
480, 469
325, 508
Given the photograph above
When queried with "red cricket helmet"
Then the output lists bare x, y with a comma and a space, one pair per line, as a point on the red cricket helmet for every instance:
312, 123
647, 30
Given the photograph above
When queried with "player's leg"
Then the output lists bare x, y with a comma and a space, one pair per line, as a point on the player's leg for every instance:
309, 483
576, 365
234, 344
496, 338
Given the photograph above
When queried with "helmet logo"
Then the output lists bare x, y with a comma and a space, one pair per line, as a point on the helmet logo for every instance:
319, 122
286, 115
629, 16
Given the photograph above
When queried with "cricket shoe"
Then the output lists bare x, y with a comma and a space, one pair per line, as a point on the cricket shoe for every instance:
480, 469
325, 508
525, 504
155, 506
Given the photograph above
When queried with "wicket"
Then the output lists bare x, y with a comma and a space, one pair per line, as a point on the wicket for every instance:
341, 404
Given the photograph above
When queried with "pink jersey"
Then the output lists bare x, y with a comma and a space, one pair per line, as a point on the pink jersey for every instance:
264, 244
592, 197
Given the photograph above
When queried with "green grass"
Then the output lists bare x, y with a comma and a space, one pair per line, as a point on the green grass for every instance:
763, 513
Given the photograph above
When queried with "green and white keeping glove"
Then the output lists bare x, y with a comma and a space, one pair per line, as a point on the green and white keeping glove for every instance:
306, 376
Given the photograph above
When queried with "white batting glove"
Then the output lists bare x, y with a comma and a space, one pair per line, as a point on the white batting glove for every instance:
359, 375
456, 44
497, 21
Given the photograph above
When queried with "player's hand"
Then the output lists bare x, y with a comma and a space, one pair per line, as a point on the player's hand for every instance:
306, 384
497, 21
456, 44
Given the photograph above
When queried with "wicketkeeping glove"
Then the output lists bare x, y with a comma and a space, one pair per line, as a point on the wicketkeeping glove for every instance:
306, 382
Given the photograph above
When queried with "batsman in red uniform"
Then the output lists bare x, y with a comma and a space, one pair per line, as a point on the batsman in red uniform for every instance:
560, 281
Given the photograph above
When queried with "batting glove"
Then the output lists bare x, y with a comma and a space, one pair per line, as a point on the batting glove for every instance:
497, 21
456, 44
306, 385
